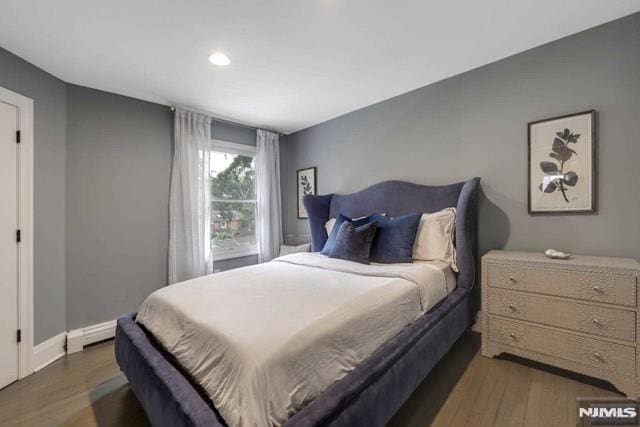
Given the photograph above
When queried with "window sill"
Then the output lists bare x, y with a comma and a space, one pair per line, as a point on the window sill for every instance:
236, 254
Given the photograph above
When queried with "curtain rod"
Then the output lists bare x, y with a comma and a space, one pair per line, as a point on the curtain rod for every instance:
229, 122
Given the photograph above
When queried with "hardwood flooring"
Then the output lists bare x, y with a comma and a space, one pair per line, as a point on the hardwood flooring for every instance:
464, 389
82, 389
467, 389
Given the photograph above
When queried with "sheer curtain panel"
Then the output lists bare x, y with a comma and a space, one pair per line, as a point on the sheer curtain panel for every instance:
189, 199
269, 214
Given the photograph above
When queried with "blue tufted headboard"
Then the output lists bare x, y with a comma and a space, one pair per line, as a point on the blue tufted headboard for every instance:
398, 198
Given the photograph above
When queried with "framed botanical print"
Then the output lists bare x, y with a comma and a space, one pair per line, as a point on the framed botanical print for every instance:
562, 164
306, 185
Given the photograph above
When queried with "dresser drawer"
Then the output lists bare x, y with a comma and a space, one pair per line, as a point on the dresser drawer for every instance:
587, 351
590, 286
581, 317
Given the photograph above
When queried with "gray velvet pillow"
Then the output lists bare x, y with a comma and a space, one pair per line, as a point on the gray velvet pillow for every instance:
326, 250
395, 237
354, 243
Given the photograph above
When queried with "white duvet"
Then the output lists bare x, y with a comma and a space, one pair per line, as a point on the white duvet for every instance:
265, 340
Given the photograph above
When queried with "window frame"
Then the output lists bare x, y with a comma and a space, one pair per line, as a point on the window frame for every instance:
227, 147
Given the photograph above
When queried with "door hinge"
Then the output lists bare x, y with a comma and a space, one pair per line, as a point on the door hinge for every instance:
18, 236
19, 335
18, 136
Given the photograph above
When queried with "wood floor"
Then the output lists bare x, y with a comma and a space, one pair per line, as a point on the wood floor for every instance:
465, 389
82, 389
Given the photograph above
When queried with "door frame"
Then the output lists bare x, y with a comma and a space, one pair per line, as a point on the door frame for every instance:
25, 224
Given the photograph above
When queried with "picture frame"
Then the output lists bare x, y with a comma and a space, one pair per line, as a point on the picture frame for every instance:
562, 165
306, 184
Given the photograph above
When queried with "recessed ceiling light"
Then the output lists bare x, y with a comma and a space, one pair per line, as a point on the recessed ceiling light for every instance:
220, 59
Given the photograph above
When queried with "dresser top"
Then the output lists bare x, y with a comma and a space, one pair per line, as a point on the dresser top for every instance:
575, 260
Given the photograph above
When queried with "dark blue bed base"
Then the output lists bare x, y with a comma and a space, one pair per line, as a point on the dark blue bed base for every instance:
371, 393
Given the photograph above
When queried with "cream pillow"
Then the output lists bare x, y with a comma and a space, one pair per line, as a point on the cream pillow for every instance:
288, 249
435, 238
329, 225
331, 222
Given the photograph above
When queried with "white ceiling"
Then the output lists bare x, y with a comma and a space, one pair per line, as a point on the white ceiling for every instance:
295, 63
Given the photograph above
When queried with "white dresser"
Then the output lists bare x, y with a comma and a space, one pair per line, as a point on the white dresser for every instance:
579, 314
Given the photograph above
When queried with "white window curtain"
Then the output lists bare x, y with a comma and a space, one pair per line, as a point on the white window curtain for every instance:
269, 214
189, 199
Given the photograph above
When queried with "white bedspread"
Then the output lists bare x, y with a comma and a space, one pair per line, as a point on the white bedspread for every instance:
265, 340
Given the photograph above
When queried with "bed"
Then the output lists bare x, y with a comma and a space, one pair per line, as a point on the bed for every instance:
370, 389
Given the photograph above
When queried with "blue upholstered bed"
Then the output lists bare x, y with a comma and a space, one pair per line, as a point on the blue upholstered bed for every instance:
370, 394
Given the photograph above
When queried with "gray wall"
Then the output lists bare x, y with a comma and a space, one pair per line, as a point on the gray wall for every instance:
48, 94
228, 132
118, 171
474, 124
119, 153
230, 264
102, 169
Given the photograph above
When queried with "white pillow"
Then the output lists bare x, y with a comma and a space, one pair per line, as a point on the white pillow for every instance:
329, 225
332, 221
435, 238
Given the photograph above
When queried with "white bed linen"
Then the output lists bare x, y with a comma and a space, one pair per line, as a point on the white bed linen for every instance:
265, 340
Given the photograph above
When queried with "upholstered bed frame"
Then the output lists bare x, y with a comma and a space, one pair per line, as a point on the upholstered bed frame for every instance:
375, 390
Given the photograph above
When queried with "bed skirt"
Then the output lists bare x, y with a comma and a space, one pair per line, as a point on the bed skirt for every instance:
367, 396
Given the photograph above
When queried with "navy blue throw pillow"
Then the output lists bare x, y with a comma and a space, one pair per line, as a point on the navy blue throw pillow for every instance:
394, 239
336, 227
354, 243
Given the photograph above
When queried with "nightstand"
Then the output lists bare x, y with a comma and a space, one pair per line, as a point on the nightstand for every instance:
579, 314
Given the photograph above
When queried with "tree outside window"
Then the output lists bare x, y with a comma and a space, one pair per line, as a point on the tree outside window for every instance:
233, 209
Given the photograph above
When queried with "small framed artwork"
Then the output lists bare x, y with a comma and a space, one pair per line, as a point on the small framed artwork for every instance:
306, 185
562, 164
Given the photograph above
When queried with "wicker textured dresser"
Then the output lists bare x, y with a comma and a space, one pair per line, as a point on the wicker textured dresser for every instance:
580, 314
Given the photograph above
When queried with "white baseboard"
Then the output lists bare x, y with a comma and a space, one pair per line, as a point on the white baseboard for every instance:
49, 351
477, 326
78, 338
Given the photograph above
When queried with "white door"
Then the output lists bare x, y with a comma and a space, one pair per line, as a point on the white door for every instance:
8, 244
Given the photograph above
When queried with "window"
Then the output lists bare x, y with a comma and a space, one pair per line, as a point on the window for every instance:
233, 200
